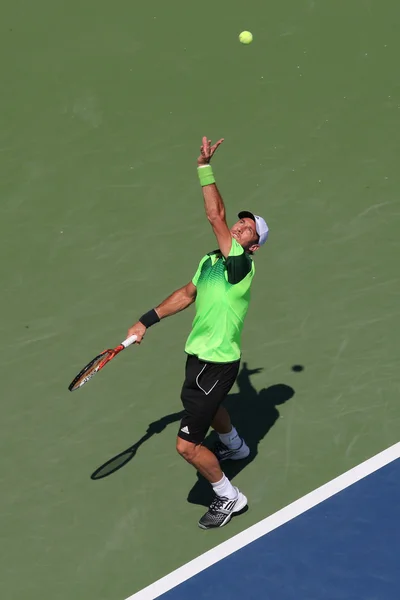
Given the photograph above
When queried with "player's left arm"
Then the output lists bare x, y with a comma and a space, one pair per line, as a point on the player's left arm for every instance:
213, 202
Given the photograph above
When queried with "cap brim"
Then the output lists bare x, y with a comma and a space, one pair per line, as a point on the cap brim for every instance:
246, 213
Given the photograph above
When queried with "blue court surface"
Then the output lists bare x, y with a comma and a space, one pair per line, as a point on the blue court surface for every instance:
340, 542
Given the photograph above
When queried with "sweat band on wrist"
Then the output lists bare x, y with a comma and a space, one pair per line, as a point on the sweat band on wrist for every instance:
150, 318
206, 175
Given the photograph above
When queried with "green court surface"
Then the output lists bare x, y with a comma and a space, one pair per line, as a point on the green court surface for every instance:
103, 107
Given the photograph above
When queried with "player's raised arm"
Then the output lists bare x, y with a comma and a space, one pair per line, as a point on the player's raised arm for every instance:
213, 203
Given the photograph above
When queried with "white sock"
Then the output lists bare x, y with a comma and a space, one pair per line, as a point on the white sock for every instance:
231, 440
224, 488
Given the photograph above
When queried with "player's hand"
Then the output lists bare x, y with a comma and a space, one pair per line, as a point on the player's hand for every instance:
207, 151
139, 330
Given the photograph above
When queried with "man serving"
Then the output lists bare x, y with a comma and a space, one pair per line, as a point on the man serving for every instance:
221, 290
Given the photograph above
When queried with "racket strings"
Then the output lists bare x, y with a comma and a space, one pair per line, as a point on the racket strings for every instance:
90, 370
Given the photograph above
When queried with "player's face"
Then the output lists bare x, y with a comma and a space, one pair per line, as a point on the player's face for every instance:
244, 231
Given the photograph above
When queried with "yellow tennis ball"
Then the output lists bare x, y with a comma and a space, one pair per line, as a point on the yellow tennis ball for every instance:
246, 37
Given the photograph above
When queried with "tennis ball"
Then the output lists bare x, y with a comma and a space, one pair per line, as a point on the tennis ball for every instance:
246, 37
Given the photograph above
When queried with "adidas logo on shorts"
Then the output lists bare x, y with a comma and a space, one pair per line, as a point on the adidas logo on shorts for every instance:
185, 429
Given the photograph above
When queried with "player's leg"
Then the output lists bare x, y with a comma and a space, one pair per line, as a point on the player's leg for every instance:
221, 422
231, 445
204, 388
203, 460
228, 498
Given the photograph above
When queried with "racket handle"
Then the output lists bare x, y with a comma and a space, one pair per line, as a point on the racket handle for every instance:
129, 341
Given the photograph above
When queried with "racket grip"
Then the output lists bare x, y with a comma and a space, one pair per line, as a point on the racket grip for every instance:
129, 341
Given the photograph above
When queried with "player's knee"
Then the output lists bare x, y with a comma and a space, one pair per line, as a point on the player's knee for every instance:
187, 450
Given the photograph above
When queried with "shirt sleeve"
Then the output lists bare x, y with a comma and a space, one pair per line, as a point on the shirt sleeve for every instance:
238, 263
198, 272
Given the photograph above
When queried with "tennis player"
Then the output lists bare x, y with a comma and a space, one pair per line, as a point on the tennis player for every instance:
221, 290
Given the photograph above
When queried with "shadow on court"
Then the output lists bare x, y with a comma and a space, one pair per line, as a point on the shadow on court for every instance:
253, 413
120, 460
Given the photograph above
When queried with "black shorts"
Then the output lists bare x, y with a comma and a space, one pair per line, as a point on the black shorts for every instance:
204, 388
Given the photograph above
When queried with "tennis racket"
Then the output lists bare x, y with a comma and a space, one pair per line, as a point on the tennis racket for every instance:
97, 363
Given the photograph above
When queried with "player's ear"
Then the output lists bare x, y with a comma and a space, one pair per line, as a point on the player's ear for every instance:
254, 247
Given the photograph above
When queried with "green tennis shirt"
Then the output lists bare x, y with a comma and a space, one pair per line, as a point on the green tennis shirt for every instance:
223, 296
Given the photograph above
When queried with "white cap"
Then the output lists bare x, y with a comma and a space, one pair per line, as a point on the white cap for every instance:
261, 226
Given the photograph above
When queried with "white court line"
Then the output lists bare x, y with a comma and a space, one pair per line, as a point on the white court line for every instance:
269, 524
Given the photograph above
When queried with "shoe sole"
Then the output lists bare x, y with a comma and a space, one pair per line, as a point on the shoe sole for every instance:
233, 457
239, 506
